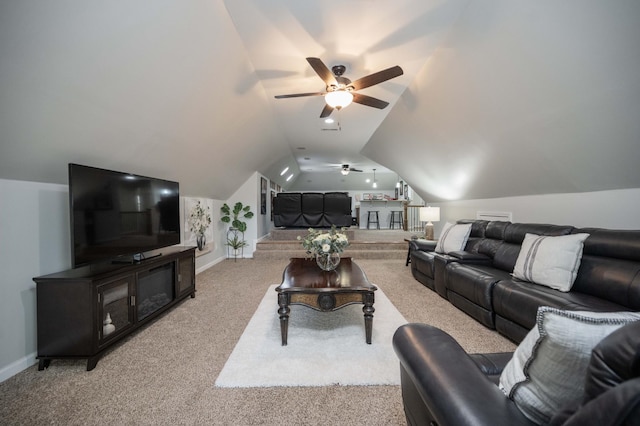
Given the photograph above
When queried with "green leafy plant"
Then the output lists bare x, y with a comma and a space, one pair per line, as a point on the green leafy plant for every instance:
236, 215
236, 242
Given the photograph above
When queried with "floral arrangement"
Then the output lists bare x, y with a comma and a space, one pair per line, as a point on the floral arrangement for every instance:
317, 242
199, 219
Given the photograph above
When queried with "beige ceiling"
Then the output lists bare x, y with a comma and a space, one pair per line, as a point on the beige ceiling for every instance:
497, 98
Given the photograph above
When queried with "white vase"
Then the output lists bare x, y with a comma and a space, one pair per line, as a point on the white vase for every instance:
108, 327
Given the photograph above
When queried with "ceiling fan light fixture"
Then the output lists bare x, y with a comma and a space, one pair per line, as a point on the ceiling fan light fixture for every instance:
344, 171
338, 99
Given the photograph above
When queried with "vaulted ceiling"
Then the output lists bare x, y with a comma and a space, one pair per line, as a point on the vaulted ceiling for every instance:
498, 98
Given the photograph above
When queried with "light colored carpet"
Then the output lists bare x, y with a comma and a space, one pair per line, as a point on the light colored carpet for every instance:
163, 374
324, 348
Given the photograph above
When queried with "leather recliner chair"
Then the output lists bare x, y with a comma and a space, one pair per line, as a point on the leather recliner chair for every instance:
443, 385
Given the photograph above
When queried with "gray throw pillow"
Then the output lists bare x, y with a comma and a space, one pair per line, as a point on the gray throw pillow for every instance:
548, 368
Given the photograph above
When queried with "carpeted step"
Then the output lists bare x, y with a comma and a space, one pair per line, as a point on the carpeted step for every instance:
353, 245
355, 254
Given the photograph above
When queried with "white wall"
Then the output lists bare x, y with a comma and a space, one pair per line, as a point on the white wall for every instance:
619, 209
248, 194
34, 241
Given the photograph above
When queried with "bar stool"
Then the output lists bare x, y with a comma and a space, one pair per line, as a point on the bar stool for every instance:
373, 214
396, 217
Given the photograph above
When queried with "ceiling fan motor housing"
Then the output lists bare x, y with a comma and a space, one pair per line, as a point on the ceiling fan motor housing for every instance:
338, 70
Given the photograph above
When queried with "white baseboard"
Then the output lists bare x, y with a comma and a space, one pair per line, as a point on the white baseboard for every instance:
209, 265
17, 366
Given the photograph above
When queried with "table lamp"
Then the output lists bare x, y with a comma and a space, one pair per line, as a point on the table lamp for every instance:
429, 214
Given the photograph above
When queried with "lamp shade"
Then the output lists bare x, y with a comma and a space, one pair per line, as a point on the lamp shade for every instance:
338, 99
429, 214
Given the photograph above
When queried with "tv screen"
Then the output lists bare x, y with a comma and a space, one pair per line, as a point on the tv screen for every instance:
116, 214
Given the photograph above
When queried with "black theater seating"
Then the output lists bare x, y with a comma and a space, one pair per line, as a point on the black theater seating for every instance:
312, 209
478, 280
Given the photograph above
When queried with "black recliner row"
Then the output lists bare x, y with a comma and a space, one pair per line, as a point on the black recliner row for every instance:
312, 209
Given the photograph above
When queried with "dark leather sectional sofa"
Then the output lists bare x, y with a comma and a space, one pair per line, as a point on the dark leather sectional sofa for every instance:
443, 385
312, 209
478, 280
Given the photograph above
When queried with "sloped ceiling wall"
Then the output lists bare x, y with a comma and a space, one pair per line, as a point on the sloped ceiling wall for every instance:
523, 98
520, 97
159, 88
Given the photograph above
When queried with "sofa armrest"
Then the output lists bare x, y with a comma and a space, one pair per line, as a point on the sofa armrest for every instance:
468, 257
423, 245
449, 382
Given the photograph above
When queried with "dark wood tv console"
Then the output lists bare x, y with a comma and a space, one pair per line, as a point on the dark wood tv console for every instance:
83, 311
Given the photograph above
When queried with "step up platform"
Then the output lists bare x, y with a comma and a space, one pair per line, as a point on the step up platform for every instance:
290, 234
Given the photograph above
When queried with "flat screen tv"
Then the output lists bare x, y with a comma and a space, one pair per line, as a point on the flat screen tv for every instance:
118, 216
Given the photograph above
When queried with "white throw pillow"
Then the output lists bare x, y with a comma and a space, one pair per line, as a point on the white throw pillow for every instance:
548, 368
550, 261
453, 237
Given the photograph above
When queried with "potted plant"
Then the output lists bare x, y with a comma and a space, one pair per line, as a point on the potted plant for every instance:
234, 240
236, 243
236, 215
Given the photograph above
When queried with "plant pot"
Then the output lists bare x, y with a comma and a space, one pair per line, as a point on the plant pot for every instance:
328, 261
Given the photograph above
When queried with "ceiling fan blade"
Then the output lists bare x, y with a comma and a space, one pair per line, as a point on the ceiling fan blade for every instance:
326, 111
369, 101
377, 77
321, 69
299, 95
355, 170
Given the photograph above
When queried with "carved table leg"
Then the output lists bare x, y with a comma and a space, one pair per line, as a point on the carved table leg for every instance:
283, 302
368, 310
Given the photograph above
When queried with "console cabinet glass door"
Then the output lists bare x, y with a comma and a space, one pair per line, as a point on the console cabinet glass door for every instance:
115, 313
185, 275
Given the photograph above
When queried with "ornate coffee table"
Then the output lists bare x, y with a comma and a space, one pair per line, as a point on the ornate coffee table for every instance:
304, 283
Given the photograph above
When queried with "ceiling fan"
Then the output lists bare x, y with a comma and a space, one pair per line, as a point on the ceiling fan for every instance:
340, 90
346, 169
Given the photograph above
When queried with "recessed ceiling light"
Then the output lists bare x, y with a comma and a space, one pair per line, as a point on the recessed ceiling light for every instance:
368, 180
284, 171
329, 120
289, 178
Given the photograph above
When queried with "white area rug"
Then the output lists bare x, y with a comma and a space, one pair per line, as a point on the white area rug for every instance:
324, 348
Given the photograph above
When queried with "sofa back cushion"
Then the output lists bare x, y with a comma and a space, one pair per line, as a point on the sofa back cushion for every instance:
494, 235
506, 254
477, 227
614, 360
287, 209
337, 209
515, 232
495, 229
313, 208
610, 267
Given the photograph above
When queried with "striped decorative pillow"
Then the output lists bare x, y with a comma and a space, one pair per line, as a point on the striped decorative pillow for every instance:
550, 261
453, 237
